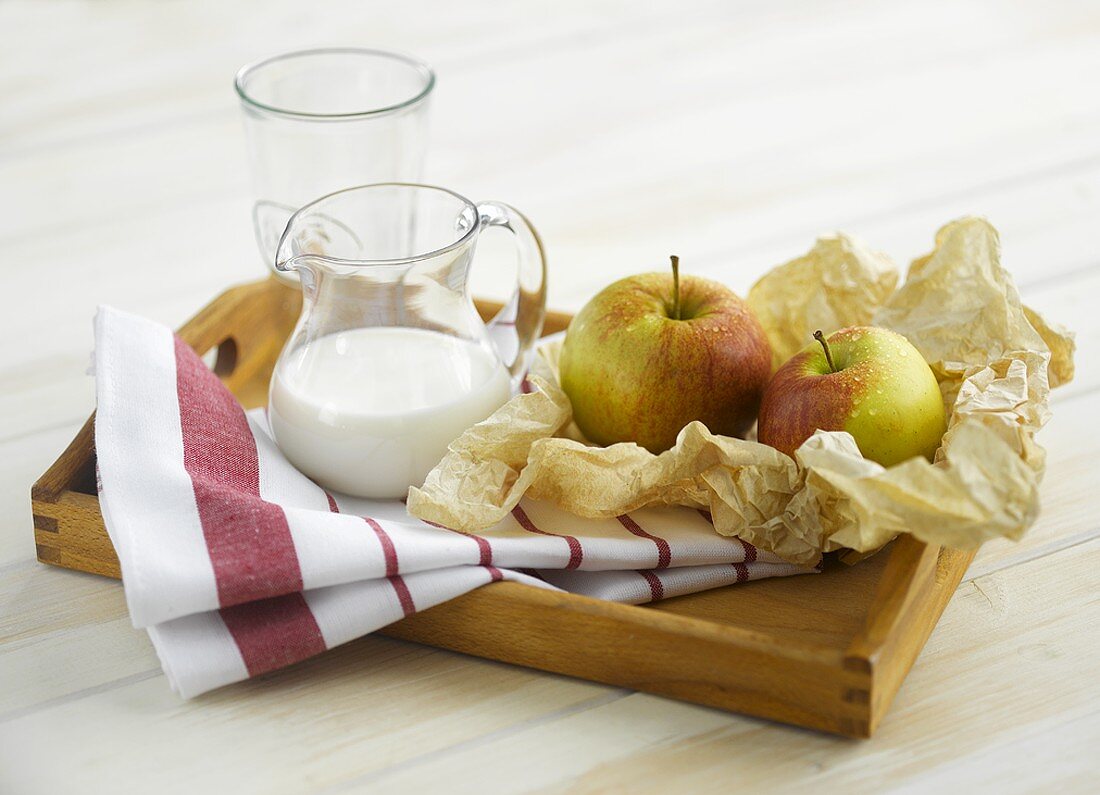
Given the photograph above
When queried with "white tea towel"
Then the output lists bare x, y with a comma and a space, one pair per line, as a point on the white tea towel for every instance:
238, 564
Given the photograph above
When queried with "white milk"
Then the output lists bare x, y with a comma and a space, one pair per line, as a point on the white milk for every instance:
370, 411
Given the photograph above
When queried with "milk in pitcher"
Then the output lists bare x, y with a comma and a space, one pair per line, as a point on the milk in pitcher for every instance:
368, 411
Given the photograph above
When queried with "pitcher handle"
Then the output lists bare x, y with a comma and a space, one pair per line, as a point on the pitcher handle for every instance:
519, 323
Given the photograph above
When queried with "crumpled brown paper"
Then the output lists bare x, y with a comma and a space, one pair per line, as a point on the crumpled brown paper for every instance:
839, 283
995, 360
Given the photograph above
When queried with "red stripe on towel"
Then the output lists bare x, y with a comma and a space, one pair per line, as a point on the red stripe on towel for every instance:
249, 542
576, 552
389, 552
408, 607
332, 506
750, 550
251, 550
742, 571
656, 587
272, 633
495, 574
484, 550
664, 552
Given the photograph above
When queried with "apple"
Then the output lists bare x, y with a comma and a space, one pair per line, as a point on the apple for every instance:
653, 352
868, 381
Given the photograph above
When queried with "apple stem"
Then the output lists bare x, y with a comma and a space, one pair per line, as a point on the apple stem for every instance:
828, 354
675, 287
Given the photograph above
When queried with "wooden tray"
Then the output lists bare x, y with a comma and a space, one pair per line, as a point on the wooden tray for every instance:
827, 652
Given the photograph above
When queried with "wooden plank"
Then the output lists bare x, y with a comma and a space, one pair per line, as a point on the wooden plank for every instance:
963, 701
61, 635
1058, 753
22, 460
179, 83
1067, 496
322, 720
115, 98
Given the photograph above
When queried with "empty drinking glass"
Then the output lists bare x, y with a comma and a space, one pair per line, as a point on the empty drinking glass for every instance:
320, 120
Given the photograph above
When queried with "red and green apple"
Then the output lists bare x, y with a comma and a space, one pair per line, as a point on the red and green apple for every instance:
868, 381
651, 353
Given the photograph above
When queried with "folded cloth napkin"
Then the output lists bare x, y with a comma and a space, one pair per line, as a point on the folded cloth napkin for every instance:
238, 564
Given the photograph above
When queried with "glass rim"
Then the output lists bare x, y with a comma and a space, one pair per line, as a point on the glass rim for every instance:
425, 71
456, 244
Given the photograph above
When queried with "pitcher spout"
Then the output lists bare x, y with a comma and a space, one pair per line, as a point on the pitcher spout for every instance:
313, 239
298, 253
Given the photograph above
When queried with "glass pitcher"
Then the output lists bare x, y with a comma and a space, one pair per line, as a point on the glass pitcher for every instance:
390, 361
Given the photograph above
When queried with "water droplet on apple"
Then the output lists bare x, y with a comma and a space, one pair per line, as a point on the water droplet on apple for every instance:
872, 412
903, 352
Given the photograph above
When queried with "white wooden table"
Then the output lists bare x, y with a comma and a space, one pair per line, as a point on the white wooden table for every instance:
730, 134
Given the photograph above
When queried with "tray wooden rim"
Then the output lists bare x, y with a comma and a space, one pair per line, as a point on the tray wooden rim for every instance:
843, 691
